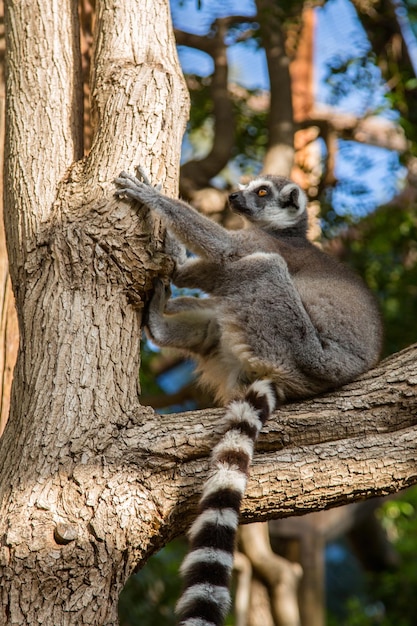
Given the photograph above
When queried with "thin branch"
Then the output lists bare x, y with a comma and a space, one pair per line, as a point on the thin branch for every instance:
281, 576
197, 174
207, 43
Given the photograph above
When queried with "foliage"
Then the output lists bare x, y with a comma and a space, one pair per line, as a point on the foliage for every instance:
358, 73
201, 104
365, 175
149, 596
389, 598
251, 134
148, 381
397, 590
384, 251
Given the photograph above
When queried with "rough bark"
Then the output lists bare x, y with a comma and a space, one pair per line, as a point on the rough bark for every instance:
74, 520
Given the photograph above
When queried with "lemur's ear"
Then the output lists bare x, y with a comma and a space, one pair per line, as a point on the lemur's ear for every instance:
292, 197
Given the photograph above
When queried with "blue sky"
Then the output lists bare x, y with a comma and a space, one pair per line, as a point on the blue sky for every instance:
187, 16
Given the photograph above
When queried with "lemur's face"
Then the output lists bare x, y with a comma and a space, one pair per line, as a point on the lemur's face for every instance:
276, 202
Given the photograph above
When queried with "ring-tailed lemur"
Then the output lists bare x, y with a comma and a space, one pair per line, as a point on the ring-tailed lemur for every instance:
283, 320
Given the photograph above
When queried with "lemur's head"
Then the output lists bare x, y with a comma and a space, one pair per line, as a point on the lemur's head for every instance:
271, 202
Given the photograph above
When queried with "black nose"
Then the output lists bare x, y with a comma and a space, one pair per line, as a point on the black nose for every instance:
233, 195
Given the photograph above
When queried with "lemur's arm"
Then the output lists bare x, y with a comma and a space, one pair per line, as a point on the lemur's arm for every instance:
200, 234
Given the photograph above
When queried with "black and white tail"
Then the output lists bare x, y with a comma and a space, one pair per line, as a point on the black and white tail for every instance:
207, 568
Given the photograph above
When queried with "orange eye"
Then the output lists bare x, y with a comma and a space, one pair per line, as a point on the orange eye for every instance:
262, 192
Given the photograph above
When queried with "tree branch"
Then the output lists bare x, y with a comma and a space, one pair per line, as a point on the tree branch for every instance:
281, 576
207, 43
83, 262
354, 443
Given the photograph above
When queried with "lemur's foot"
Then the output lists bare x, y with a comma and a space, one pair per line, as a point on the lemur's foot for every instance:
156, 307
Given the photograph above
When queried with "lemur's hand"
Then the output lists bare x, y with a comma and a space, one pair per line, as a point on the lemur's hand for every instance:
137, 188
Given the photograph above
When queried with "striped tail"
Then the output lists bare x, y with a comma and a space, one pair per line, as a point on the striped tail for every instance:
207, 568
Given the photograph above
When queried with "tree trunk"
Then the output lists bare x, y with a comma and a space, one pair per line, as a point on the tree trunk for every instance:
75, 519
280, 152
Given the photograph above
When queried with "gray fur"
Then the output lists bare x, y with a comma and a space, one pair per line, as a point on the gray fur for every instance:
278, 306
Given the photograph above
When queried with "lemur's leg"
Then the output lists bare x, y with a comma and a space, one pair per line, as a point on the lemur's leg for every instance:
193, 328
189, 303
175, 249
200, 274
199, 234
